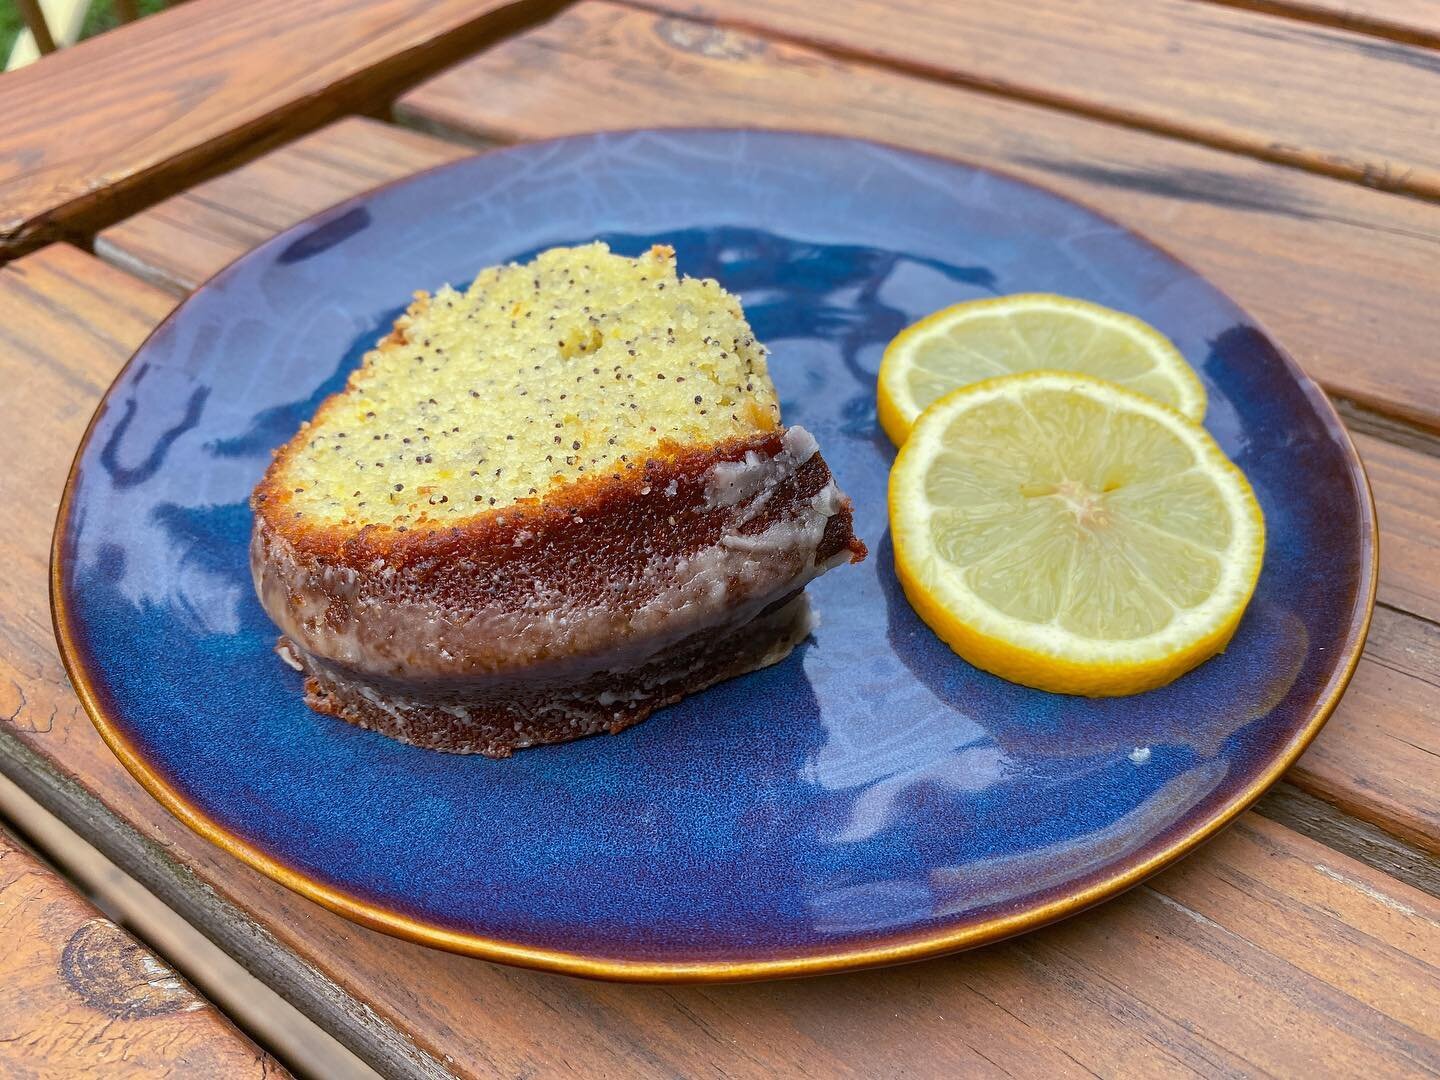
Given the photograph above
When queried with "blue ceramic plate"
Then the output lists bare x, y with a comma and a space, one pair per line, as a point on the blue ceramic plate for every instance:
869, 800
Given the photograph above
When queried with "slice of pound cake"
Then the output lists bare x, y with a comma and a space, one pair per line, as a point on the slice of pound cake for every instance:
544, 508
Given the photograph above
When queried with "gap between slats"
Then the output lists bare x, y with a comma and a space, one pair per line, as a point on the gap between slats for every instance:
1369, 17
1385, 175
197, 87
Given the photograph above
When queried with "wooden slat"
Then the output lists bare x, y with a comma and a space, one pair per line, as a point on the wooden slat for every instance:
1371, 845
82, 998
1344, 276
1407, 499
251, 1004
1322, 99
1413, 21
1265, 952
1379, 756
122, 119
180, 242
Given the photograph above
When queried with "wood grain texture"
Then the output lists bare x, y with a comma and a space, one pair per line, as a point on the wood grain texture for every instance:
1379, 756
1264, 952
1413, 21
1322, 822
183, 240
242, 997
1407, 500
1327, 100
122, 119
1343, 276
82, 998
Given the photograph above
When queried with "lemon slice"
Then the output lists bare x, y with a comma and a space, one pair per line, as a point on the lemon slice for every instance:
984, 339
1073, 536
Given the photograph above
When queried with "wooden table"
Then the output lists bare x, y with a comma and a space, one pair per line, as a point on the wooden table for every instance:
82, 997
1289, 149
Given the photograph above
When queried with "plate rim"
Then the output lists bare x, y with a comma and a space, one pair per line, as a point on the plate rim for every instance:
899, 948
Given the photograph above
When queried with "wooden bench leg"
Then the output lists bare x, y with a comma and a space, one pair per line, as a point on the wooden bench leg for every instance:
35, 20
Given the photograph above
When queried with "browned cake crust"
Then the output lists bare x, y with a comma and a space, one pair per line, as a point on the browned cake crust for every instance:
542, 622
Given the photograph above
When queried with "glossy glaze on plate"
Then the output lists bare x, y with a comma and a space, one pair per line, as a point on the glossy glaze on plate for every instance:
870, 799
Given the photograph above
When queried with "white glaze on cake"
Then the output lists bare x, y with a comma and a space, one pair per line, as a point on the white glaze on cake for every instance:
392, 628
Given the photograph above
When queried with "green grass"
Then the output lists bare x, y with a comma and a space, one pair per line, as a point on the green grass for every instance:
98, 19
10, 26
101, 16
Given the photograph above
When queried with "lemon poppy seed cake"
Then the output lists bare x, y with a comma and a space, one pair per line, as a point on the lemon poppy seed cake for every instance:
543, 508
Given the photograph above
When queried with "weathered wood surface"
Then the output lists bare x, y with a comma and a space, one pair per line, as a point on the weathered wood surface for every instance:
1407, 493
1320, 821
1377, 757
120, 120
1413, 21
246, 1000
1264, 952
1344, 276
1315, 97
79, 997
180, 242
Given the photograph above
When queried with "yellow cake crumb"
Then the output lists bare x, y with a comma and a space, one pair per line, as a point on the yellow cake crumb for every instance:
578, 364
